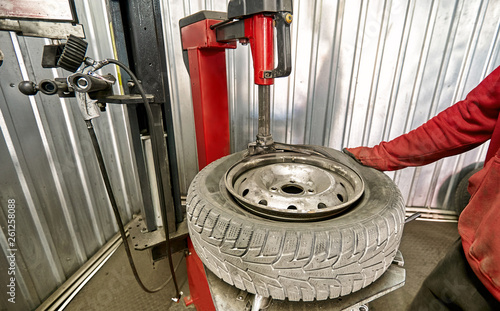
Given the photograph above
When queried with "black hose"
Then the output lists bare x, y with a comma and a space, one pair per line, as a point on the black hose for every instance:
159, 182
114, 206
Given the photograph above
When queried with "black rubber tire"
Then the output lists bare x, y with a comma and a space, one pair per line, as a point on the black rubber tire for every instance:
462, 196
295, 260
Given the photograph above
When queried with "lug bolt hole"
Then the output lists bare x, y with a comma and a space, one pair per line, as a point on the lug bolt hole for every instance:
340, 197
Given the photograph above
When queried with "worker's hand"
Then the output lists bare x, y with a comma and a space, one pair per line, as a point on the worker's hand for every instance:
389, 156
365, 156
349, 153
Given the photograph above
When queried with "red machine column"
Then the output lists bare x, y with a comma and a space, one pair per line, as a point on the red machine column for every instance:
207, 69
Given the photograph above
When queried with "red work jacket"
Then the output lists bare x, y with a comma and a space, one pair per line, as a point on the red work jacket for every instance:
461, 127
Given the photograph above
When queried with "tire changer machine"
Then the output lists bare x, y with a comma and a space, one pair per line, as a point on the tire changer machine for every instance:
205, 37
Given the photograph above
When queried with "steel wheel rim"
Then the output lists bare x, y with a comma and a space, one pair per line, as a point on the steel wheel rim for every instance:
293, 186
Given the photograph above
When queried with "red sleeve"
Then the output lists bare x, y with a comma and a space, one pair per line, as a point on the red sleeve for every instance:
461, 127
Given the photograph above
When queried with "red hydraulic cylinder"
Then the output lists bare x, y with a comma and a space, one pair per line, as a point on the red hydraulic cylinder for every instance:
259, 29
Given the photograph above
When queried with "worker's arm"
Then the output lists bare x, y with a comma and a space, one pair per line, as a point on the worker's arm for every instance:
459, 128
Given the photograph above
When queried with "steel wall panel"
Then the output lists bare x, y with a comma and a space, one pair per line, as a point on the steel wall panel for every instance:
363, 72
48, 166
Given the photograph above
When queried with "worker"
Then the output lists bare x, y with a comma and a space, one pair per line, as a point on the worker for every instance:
468, 278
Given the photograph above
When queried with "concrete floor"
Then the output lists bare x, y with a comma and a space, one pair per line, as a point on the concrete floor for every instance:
114, 288
423, 245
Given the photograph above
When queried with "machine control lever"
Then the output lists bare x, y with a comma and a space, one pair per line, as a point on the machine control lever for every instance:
282, 24
57, 86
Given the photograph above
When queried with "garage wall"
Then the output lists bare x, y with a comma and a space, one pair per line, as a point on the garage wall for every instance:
48, 168
363, 72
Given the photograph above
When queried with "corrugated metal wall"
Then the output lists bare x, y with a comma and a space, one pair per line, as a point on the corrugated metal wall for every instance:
49, 168
363, 72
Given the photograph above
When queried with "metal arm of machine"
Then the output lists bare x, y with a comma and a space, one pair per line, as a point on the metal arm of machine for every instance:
205, 36
258, 31
257, 28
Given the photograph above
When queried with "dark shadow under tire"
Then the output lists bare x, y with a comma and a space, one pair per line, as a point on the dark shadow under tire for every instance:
295, 260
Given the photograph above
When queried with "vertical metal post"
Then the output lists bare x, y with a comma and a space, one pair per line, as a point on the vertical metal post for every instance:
144, 44
115, 16
140, 161
264, 133
207, 69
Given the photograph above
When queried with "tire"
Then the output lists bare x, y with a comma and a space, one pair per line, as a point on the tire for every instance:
295, 260
461, 196
455, 186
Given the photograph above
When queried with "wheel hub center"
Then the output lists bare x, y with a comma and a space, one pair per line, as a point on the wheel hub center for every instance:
293, 186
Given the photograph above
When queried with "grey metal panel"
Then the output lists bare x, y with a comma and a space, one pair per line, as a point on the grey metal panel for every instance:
48, 166
33, 226
363, 72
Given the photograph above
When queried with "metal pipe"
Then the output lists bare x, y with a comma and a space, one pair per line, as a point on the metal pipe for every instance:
264, 113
